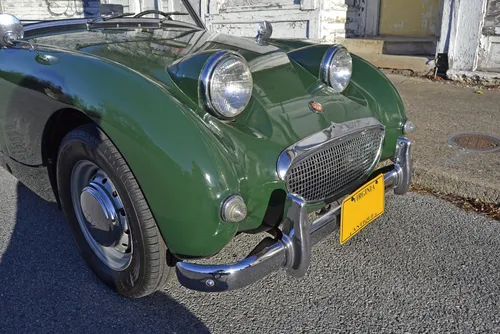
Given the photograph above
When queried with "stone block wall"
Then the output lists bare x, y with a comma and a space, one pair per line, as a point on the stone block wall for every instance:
338, 19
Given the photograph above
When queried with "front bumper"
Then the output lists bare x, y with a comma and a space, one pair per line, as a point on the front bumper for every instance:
293, 250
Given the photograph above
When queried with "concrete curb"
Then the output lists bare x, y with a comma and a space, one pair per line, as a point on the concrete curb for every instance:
420, 65
475, 77
446, 183
439, 111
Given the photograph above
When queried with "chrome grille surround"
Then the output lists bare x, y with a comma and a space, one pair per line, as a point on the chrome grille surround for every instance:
326, 164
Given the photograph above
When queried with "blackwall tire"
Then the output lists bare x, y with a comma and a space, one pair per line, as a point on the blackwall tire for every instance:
129, 254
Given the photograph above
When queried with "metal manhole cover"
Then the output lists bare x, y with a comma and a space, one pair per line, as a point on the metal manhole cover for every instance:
475, 142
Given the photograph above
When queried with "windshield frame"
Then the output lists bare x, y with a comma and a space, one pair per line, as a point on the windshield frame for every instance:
49, 28
31, 24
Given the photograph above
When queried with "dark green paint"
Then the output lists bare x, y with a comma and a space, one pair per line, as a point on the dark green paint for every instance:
186, 73
142, 90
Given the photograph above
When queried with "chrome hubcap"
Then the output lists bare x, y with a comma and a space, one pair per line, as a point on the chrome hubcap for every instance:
101, 215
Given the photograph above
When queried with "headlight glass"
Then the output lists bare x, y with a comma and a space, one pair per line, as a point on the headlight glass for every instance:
228, 87
336, 68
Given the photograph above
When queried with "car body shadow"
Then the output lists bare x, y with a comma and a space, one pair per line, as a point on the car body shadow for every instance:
45, 285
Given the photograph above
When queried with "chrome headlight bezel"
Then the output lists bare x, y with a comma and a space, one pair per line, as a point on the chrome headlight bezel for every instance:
326, 67
206, 77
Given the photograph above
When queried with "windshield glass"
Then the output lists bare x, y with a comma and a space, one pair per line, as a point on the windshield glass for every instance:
76, 9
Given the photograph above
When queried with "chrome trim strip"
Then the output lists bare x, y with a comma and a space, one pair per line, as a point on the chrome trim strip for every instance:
54, 24
293, 250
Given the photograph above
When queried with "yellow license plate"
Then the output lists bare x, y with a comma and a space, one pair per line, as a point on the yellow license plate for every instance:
361, 208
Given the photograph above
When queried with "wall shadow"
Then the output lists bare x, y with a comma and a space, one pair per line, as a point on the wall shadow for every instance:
355, 8
45, 285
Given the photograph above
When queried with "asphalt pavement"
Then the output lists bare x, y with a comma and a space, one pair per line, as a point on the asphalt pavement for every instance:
425, 266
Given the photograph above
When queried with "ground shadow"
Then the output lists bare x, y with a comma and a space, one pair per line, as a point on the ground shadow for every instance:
45, 285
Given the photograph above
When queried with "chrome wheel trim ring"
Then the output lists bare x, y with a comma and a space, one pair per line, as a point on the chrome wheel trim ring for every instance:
101, 215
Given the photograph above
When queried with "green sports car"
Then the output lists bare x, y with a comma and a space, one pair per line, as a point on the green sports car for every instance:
161, 141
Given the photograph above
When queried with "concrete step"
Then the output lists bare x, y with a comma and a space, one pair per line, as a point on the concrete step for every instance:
363, 45
392, 45
410, 46
417, 64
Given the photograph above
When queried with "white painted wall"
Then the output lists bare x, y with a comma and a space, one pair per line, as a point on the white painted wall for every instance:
470, 46
489, 44
55, 9
35, 9
448, 22
62, 9
369, 18
318, 20
489, 53
335, 20
463, 50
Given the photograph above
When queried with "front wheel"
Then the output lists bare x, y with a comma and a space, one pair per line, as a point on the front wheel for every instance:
109, 217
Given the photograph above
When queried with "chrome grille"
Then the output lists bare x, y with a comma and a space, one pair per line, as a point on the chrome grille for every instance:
328, 170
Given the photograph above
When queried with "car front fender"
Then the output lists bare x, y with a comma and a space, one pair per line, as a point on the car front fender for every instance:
181, 168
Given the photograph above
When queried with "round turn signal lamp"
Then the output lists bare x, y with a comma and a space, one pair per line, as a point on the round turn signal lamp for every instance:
408, 127
233, 209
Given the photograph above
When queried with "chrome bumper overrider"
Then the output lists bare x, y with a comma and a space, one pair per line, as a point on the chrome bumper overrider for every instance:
293, 250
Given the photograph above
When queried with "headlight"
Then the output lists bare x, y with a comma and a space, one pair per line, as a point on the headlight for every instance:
336, 68
226, 84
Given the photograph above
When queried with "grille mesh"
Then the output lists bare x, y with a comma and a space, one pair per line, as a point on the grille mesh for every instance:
328, 170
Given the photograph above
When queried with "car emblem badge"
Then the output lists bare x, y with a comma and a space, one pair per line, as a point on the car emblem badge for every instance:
316, 107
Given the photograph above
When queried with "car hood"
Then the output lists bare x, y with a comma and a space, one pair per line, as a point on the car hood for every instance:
282, 89
278, 114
